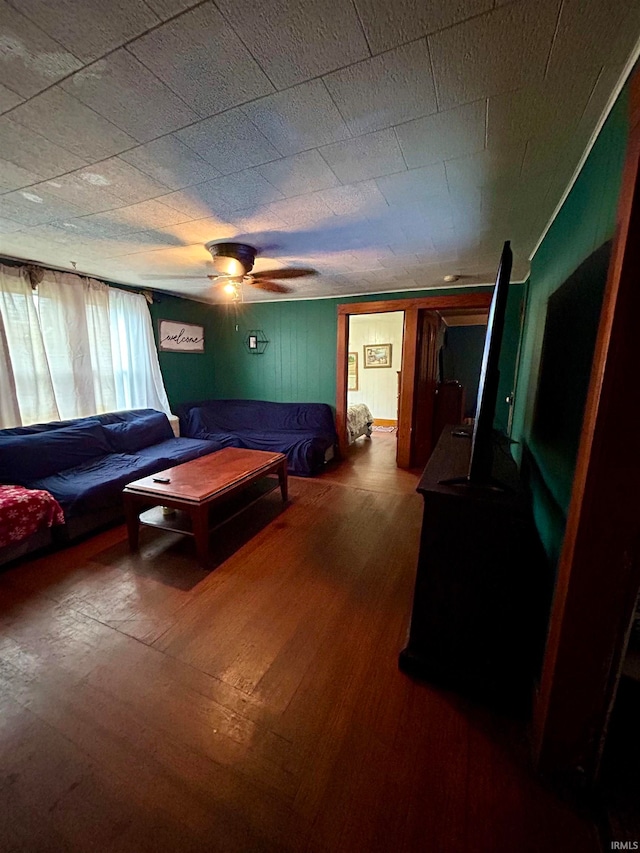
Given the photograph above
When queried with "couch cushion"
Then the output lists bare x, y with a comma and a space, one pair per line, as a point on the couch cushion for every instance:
174, 451
142, 431
304, 450
232, 415
25, 458
97, 484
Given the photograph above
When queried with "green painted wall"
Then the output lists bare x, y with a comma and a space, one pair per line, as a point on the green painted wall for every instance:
299, 364
585, 222
187, 376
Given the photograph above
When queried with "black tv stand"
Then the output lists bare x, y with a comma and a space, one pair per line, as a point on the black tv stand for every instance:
461, 432
476, 590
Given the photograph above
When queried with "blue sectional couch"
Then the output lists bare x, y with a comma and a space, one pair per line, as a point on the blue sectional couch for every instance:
305, 432
86, 463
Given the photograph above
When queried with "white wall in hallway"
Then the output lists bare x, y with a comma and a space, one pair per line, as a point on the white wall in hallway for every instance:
377, 386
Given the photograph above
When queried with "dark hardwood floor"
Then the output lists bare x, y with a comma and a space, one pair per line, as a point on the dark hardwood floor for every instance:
149, 705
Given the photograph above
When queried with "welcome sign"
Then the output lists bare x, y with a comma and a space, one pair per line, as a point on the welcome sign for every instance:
180, 337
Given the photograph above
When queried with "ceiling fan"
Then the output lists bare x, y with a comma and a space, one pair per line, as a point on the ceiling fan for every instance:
233, 263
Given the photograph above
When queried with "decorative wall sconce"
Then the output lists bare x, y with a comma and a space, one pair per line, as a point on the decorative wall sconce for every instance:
256, 342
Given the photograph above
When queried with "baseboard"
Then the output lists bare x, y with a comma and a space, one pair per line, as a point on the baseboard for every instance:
384, 422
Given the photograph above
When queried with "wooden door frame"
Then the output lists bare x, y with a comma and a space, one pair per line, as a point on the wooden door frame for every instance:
599, 567
411, 307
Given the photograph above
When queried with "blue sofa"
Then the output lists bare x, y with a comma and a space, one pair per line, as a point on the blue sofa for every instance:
305, 432
85, 463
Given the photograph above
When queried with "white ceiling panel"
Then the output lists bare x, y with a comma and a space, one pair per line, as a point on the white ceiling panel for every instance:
90, 28
59, 235
201, 58
87, 197
302, 210
486, 169
388, 89
126, 244
7, 226
364, 199
168, 8
147, 214
200, 231
12, 177
514, 117
252, 221
122, 90
300, 118
299, 174
34, 152
122, 180
229, 141
41, 250
368, 156
29, 60
415, 185
96, 226
170, 162
389, 24
452, 133
34, 208
496, 52
8, 99
72, 125
223, 195
294, 40
586, 31
385, 163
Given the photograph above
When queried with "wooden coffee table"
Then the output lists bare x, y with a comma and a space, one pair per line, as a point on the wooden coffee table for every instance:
194, 487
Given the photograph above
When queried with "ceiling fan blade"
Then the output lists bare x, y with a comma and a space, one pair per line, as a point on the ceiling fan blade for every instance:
287, 272
271, 286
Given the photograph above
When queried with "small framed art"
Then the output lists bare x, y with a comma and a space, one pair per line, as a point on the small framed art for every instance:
352, 371
377, 355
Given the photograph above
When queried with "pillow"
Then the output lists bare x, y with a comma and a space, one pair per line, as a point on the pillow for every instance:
143, 431
24, 458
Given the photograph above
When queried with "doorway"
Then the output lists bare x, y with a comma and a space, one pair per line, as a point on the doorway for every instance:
374, 360
418, 373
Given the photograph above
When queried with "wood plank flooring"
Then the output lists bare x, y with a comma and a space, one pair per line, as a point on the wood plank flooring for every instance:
147, 704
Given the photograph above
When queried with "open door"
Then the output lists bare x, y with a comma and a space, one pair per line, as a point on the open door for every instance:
599, 570
426, 380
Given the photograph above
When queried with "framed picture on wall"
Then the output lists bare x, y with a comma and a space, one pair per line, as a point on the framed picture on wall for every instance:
377, 355
180, 337
352, 371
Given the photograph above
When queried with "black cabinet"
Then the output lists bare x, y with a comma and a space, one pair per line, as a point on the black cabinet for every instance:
479, 603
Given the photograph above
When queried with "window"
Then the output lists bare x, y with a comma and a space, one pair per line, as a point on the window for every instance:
72, 348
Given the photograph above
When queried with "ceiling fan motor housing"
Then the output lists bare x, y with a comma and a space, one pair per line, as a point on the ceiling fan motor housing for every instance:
234, 259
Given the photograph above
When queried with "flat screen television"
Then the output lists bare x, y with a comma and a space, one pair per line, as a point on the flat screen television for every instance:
481, 460
482, 438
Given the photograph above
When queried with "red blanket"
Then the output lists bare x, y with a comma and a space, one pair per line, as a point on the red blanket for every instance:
23, 511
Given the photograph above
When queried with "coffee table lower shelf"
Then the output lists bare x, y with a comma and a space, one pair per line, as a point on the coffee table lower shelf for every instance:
203, 494
179, 521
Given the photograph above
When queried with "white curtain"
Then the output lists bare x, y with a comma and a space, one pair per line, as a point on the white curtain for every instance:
74, 318
79, 348
26, 389
135, 358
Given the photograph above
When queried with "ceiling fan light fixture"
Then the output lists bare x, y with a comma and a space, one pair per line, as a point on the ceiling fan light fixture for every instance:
236, 259
228, 266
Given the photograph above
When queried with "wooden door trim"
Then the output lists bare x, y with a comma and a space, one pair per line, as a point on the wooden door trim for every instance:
411, 306
407, 387
481, 301
599, 568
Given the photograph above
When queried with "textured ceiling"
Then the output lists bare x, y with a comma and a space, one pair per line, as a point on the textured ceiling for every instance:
385, 143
